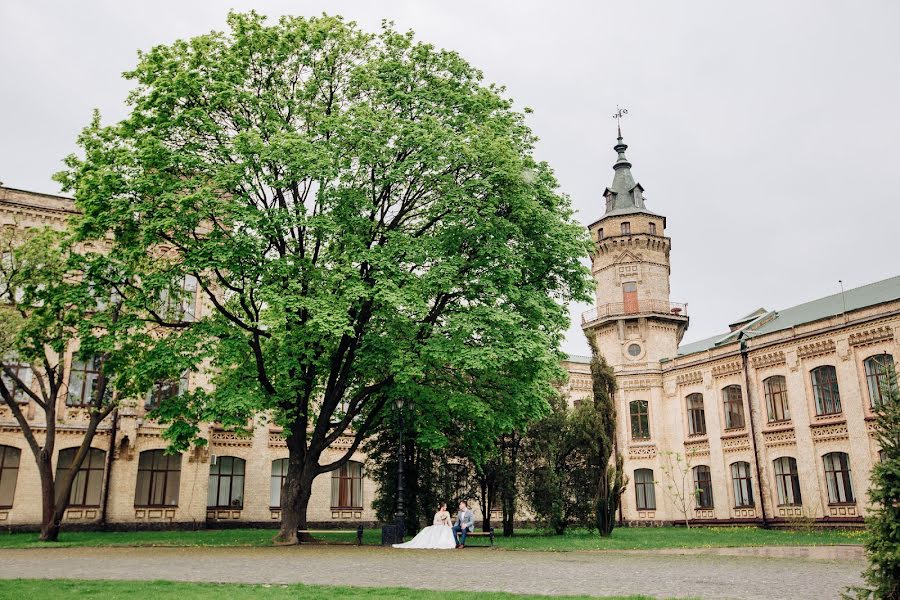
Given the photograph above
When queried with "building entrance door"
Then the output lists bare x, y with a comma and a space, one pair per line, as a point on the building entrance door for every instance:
630, 299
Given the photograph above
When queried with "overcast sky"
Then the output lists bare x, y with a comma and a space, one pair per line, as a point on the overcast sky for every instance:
766, 132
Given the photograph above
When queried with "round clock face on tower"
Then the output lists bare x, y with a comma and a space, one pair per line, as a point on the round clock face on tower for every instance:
634, 349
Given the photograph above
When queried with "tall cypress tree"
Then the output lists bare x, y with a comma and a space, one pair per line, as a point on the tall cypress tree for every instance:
610, 478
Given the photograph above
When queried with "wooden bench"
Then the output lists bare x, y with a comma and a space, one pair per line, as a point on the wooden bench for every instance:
358, 531
487, 534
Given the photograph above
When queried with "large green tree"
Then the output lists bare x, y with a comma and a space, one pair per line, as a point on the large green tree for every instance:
50, 306
364, 217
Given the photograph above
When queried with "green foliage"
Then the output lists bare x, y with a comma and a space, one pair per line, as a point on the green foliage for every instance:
365, 218
560, 482
883, 522
610, 479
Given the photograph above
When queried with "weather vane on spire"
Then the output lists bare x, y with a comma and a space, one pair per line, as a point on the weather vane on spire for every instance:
620, 112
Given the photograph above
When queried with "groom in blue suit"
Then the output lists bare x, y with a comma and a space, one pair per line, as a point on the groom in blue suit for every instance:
465, 522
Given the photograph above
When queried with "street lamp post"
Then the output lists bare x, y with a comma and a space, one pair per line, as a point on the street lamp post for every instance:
400, 516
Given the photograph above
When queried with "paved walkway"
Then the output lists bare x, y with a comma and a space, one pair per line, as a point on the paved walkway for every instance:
714, 573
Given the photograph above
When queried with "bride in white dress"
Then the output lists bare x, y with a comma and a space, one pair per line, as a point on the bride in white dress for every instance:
436, 537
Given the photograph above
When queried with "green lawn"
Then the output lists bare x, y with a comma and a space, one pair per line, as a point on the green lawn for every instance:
629, 538
169, 590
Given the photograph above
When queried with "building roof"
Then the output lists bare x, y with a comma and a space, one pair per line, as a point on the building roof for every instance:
763, 322
578, 358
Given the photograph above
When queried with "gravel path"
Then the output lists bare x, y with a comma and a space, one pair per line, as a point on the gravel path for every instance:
714, 573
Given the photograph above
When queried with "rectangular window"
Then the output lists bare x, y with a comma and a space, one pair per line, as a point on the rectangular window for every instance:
640, 420
652, 228
696, 415
878, 369
626, 228
83, 382
9, 473
279, 475
226, 483
165, 390
837, 476
88, 481
703, 487
734, 407
776, 399
742, 484
158, 479
787, 482
600, 233
346, 486
18, 381
644, 489
825, 390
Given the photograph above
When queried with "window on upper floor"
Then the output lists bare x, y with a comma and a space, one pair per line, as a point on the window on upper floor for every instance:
703, 486
346, 486
158, 479
742, 484
17, 377
644, 489
696, 415
837, 478
878, 370
164, 390
825, 390
640, 419
626, 228
9, 474
600, 233
226, 483
83, 379
734, 407
180, 303
88, 481
652, 228
787, 481
776, 399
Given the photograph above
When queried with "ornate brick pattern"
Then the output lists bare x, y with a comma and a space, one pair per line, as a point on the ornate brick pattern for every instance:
818, 348
871, 336
769, 359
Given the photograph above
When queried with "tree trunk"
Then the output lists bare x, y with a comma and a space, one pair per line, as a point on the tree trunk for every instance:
295, 495
50, 522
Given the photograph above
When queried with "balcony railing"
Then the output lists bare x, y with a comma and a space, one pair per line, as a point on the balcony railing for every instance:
641, 307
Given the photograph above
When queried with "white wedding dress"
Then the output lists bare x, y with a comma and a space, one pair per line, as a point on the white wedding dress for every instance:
435, 537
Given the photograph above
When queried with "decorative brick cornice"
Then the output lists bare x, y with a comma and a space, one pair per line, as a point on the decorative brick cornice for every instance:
817, 348
871, 336
725, 369
736, 443
824, 433
690, 378
639, 384
780, 437
770, 359
642, 451
696, 447
231, 439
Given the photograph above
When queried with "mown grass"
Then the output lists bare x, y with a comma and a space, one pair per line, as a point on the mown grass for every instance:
168, 590
629, 538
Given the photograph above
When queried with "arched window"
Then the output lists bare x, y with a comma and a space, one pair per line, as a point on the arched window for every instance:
837, 476
640, 419
279, 474
742, 484
703, 486
734, 407
226, 483
787, 482
776, 399
696, 415
89, 479
346, 486
877, 376
644, 489
825, 390
9, 473
158, 479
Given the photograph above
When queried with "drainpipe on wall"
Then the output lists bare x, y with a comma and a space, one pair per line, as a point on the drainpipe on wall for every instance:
107, 472
762, 496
